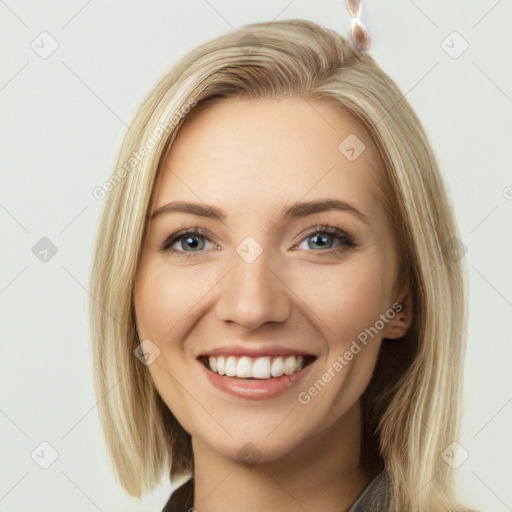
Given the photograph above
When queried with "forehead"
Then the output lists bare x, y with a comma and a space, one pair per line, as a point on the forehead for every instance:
247, 154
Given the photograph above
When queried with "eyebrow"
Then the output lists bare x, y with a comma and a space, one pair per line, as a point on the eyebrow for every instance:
299, 209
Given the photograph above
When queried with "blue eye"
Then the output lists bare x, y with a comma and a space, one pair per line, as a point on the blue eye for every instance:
193, 238
321, 233
196, 240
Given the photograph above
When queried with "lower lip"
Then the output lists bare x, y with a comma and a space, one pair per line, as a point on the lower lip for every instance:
254, 389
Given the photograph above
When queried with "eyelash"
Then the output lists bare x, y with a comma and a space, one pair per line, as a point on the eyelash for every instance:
344, 237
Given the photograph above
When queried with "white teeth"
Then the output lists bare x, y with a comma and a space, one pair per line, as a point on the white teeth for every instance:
256, 368
289, 365
277, 367
261, 368
231, 366
244, 368
220, 365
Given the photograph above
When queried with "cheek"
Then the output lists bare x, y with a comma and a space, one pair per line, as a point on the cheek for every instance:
165, 295
167, 302
345, 299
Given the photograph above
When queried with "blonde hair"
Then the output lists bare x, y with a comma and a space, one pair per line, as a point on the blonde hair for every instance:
411, 418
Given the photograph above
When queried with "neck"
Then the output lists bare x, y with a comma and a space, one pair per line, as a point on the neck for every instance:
324, 473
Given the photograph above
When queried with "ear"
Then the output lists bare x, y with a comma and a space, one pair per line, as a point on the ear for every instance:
400, 323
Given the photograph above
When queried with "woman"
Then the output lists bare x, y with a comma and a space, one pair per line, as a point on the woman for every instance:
278, 303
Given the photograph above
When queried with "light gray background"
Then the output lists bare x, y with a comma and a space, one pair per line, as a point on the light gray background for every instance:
62, 118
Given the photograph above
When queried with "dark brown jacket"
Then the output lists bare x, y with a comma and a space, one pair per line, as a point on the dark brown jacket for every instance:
373, 498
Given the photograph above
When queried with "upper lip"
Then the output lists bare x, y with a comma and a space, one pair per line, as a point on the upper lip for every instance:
260, 351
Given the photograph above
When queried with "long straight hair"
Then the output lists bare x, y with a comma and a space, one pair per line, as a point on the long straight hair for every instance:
411, 415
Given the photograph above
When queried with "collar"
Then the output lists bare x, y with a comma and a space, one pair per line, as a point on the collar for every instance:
373, 498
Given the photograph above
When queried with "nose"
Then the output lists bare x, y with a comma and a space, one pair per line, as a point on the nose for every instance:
253, 294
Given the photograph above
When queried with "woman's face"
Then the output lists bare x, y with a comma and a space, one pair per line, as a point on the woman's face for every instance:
257, 285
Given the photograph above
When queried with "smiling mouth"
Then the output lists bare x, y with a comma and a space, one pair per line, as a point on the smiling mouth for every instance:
264, 367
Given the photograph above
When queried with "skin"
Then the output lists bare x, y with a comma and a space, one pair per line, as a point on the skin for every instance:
252, 158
